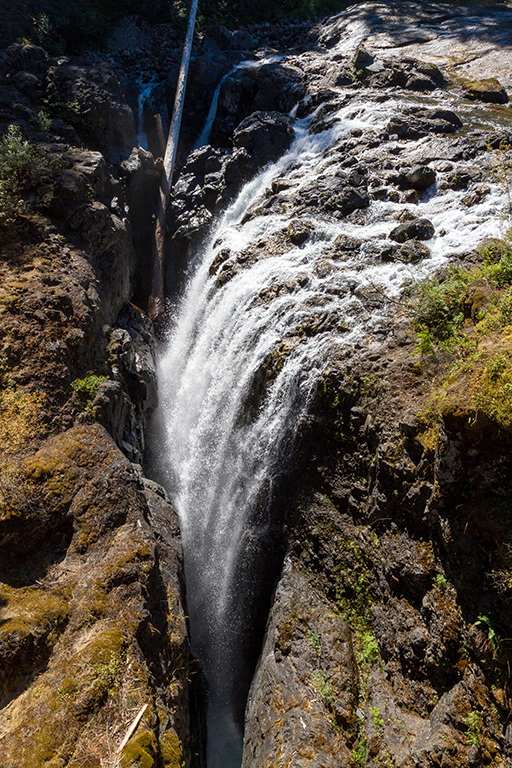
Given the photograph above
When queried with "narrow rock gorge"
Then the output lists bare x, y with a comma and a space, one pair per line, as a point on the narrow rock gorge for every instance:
279, 534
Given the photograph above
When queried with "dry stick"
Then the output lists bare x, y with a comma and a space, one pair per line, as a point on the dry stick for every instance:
131, 729
156, 306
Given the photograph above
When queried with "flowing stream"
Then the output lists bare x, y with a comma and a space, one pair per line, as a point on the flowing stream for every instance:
226, 440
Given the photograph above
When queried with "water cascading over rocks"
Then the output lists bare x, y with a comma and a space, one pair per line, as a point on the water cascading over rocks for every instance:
270, 300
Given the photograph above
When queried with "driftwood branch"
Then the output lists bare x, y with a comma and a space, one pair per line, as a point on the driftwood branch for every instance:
131, 730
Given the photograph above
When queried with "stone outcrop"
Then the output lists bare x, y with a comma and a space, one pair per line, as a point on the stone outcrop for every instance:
94, 629
274, 87
94, 100
374, 650
94, 626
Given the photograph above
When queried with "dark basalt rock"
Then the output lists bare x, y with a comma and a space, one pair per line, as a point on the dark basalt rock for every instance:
280, 87
350, 200
418, 121
298, 231
490, 91
315, 98
29, 58
94, 101
362, 57
408, 73
410, 252
417, 229
227, 40
421, 177
266, 135
271, 88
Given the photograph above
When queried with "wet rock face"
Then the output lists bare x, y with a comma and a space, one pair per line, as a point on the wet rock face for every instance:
307, 656
370, 553
417, 229
490, 91
265, 135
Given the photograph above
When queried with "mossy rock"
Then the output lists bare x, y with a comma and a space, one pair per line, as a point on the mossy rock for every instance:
171, 750
140, 752
28, 607
101, 647
489, 90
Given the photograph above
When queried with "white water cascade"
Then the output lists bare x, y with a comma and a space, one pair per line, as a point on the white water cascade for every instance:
212, 112
225, 439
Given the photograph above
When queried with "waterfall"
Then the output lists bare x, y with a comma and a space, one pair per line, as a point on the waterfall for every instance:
228, 431
144, 93
212, 112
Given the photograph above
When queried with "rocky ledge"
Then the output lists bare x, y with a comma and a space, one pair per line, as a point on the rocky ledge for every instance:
94, 648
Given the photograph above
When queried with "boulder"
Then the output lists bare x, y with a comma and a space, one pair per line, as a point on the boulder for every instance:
409, 73
411, 252
227, 40
28, 58
280, 87
415, 122
315, 98
352, 199
236, 101
273, 87
338, 75
265, 135
421, 177
362, 57
298, 231
489, 90
417, 229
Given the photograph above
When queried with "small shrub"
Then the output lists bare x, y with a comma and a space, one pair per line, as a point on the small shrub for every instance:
474, 725
16, 163
498, 313
43, 121
88, 386
360, 752
377, 718
441, 582
439, 316
500, 273
367, 648
314, 640
322, 685
21, 165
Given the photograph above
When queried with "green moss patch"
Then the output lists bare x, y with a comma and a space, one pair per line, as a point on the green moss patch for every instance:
21, 418
171, 750
28, 608
141, 751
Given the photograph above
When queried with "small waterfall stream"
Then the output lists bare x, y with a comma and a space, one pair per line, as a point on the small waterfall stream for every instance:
226, 440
